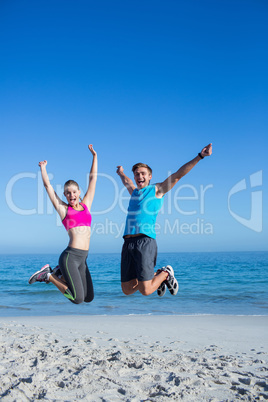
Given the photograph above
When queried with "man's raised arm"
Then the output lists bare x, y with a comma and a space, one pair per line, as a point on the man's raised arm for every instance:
169, 183
128, 183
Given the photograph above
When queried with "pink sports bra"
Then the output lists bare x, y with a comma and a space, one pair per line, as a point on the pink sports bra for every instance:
75, 218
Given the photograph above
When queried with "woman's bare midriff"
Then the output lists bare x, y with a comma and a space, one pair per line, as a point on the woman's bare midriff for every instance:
79, 237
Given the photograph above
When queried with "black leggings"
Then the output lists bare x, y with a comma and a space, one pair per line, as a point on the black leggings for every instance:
75, 271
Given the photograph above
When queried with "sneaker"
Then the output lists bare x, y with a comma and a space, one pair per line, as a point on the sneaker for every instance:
162, 288
41, 275
56, 271
171, 281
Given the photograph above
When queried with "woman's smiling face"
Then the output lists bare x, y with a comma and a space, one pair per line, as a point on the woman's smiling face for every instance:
72, 194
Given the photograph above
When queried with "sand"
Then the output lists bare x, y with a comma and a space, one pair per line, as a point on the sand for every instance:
134, 358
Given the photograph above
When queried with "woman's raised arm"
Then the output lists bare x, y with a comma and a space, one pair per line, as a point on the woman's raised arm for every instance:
58, 204
89, 196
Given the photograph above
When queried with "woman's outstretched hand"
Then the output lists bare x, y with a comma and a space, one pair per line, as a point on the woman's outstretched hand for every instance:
90, 147
42, 164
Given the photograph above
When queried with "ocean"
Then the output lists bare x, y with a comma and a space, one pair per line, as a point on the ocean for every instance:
234, 283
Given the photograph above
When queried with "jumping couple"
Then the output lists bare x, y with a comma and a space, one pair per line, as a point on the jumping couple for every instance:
139, 251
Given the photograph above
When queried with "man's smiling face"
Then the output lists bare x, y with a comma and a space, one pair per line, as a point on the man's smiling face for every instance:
142, 177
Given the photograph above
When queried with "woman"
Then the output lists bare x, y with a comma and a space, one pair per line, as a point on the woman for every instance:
75, 280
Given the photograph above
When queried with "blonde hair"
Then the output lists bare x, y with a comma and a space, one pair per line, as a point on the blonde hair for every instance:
70, 183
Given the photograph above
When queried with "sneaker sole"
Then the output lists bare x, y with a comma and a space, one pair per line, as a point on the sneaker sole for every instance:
161, 290
174, 288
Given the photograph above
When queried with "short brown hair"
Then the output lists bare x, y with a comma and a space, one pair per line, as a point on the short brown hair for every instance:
137, 165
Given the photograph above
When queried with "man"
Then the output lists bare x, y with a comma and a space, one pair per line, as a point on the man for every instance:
139, 251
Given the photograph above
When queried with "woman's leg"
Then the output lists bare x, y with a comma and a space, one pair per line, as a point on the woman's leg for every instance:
69, 263
58, 282
45, 275
87, 282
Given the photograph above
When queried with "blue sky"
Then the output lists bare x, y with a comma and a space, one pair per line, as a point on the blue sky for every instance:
150, 81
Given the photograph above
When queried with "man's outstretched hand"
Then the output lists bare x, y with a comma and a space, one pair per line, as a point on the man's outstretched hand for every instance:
206, 151
119, 170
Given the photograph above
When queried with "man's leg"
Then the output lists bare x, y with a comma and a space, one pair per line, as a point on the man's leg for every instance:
130, 287
138, 257
129, 282
146, 288
144, 256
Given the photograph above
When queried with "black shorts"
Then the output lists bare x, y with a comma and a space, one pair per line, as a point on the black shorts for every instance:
138, 258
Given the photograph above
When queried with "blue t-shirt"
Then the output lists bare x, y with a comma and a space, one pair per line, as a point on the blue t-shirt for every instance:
142, 212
